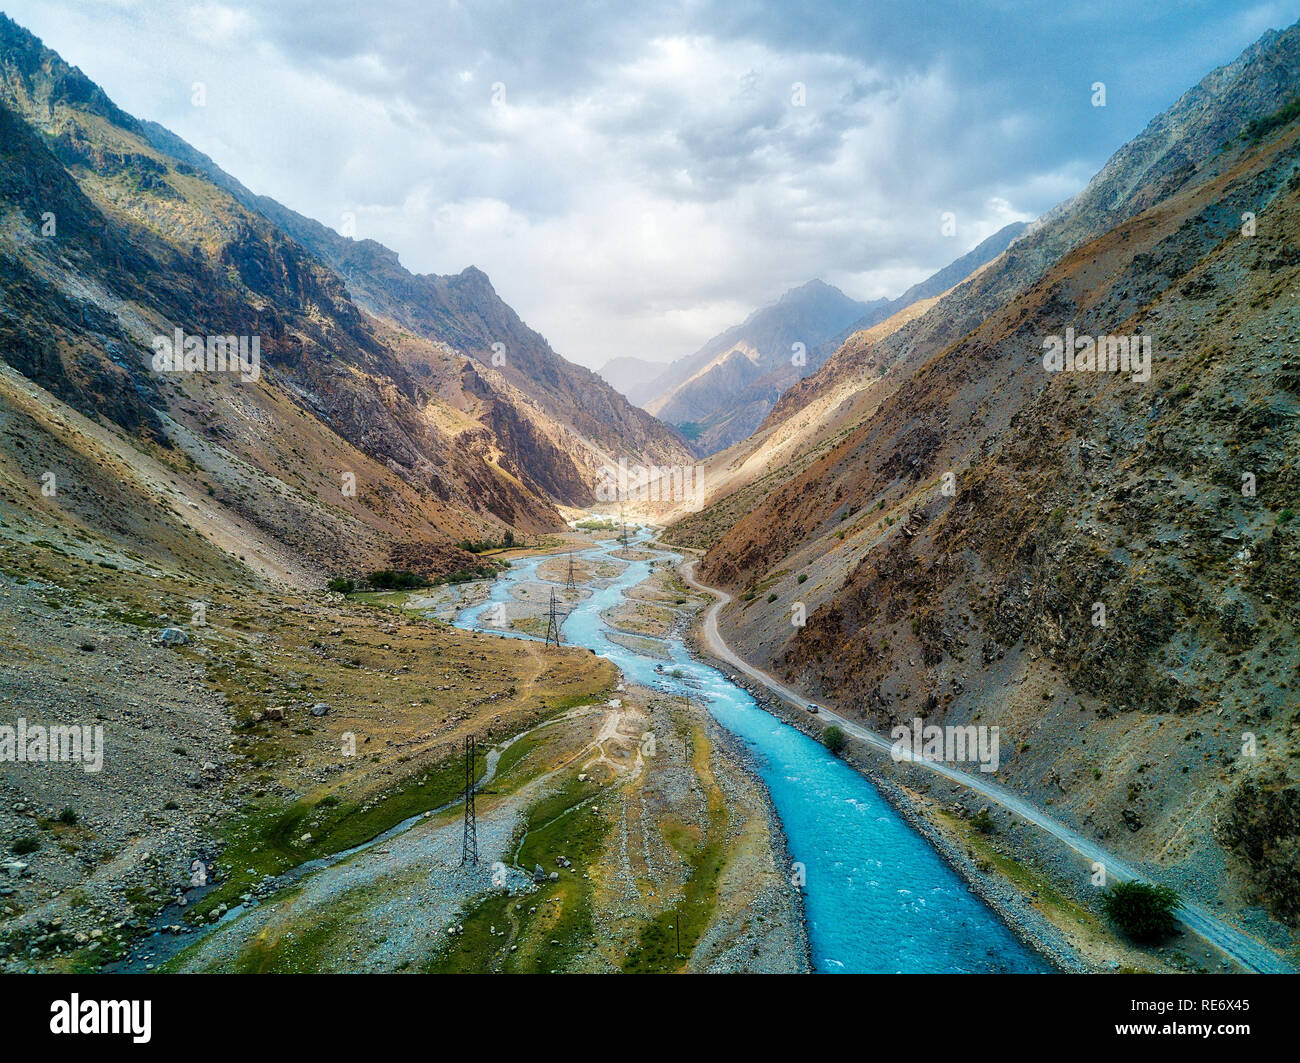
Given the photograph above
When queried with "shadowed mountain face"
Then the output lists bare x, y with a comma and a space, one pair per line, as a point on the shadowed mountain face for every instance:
465, 313
1101, 563
386, 407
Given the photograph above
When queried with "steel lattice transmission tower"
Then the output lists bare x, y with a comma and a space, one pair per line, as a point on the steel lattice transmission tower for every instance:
469, 842
571, 584
552, 623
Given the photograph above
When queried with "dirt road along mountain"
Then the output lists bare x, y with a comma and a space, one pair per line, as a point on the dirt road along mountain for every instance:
1229, 940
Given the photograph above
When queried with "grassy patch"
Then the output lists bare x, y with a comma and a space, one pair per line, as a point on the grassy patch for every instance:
136, 618
266, 839
1258, 128
549, 938
306, 947
1055, 905
656, 947
477, 949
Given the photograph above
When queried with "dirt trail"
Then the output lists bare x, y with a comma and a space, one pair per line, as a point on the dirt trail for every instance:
388, 902
1229, 940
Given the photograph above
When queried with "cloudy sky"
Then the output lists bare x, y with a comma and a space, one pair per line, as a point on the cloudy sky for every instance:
635, 177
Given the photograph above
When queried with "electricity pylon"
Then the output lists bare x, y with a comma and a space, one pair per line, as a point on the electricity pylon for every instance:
552, 623
469, 841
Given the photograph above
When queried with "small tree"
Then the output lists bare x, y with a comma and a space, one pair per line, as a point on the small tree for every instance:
509, 538
1142, 911
834, 738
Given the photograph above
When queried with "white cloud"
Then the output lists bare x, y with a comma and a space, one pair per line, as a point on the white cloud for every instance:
647, 181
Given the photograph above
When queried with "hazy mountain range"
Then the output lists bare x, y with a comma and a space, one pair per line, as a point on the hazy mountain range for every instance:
721, 393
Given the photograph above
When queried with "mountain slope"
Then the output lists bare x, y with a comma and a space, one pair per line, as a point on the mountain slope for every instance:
863, 373
368, 433
721, 393
724, 392
952, 550
934, 285
465, 313
815, 413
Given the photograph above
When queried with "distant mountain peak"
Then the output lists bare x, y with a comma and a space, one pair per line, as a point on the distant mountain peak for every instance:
717, 401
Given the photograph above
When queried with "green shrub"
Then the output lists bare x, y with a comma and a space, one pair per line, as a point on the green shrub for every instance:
386, 579
68, 817
341, 584
24, 845
1142, 911
834, 739
482, 546
464, 575
1258, 128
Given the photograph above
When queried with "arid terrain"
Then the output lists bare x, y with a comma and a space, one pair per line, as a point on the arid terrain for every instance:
220, 754
1100, 566
252, 587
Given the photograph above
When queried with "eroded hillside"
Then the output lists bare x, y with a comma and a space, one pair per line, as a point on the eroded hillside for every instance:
355, 430
1101, 566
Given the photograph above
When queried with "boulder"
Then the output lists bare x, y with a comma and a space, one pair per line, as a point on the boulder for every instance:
172, 636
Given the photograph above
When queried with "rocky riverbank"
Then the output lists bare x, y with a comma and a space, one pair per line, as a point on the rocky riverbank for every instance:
1011, 905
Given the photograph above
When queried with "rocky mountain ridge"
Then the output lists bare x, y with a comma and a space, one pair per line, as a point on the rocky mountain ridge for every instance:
1099, 565
721, 393
378, 415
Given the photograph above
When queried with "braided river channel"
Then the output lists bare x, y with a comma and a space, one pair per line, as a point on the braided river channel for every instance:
878, 898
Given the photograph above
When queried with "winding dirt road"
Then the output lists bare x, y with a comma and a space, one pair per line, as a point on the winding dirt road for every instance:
1250, 953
